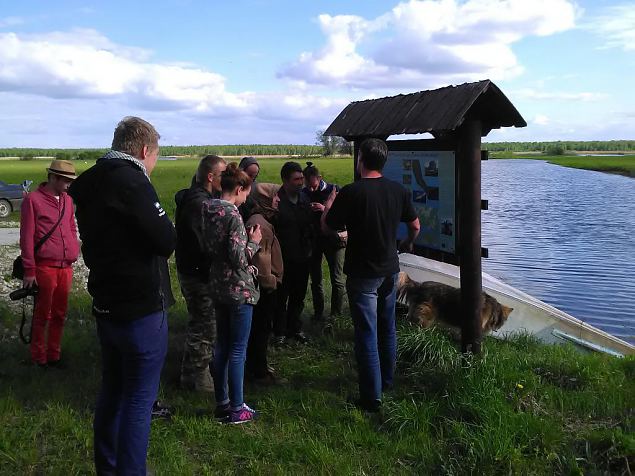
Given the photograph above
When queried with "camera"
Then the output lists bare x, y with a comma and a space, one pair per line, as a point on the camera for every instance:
23, 293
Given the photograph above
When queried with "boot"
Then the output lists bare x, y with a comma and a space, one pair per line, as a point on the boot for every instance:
199, 382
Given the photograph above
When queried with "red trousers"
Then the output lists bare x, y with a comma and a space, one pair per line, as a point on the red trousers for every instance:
50, 311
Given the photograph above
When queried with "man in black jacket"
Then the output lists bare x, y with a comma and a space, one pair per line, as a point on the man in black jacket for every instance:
126, 240
295, 231
192, 264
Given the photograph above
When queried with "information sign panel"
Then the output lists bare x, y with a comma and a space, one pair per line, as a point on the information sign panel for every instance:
429, 177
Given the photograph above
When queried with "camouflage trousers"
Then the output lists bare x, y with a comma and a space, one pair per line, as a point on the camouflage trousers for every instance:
200, 335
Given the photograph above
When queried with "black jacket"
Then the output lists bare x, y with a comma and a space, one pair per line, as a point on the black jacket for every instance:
126, 240
191, 260
295, 228
320, 195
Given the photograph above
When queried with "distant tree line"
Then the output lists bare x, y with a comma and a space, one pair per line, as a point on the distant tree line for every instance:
242, 150
560, 147
171, 150
325, 145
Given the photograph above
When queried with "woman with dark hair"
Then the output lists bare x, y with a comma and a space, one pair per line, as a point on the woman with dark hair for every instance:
234, 291
331, 246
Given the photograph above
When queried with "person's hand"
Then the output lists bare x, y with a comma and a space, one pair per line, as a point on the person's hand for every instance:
275, 202
255, 235
317, 207
331, 199
29, 282
406, 246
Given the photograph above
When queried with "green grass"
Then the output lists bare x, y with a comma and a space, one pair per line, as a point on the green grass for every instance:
620, 165
624, 165
519, 408
171, 176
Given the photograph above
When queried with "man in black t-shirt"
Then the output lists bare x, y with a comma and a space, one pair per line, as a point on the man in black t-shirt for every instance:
371, 210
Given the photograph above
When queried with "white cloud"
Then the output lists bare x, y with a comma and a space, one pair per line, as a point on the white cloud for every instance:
529, 93
541, 120
429, 43
616, 26
84, 64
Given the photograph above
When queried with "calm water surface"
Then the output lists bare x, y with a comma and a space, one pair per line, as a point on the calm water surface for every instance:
565, 236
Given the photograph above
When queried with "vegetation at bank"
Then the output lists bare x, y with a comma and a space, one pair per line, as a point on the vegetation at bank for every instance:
622, 165
519, 408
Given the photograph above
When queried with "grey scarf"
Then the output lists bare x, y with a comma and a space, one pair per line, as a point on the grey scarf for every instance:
115, 154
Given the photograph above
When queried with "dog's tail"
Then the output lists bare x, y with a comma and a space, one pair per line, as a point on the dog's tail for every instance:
404, 285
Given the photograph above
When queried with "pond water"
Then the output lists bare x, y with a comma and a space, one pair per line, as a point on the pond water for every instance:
565, 236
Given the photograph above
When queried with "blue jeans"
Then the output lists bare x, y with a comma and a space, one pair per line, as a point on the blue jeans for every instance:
233, 323
372, 303
132, 358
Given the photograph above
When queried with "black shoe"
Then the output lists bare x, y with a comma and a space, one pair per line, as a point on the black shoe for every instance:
368, 406
221, 413
270, 379
160, 411
57, 364
300, 337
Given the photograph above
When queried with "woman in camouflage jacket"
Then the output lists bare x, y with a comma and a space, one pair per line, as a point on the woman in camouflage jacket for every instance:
234, 291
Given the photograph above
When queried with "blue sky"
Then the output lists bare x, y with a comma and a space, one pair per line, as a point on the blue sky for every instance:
255, 71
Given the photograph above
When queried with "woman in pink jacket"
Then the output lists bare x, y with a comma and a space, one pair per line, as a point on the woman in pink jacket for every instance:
50, 266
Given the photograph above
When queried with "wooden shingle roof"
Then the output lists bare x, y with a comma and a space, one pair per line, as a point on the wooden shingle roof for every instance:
438, 111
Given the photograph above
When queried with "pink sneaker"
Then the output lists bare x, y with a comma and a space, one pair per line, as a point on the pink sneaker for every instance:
243, 415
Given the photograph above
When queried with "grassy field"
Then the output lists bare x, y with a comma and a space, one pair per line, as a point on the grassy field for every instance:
519, 408
624, 165
173, 175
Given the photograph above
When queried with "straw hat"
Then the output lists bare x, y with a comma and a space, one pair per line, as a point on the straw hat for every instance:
64, 168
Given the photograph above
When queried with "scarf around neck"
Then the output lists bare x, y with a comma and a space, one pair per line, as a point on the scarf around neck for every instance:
115, 154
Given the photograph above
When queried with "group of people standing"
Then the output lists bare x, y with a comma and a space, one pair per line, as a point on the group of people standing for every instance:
245, 252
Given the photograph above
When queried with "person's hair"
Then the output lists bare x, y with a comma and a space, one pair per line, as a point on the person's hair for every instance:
247, 161
132, 133
288, 168
310, 170
232, 177
207, 165
373, 153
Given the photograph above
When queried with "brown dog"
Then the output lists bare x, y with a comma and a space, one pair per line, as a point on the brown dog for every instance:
436, 303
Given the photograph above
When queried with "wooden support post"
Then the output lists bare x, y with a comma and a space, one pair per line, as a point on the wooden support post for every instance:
469, 162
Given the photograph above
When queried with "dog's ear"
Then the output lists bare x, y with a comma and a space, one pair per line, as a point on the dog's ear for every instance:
500, 316
506, 311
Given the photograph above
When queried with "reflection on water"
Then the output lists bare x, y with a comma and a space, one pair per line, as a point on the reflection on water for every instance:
566, 236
